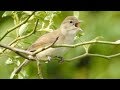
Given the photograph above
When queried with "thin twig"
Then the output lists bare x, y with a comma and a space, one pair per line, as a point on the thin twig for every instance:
15, 49
70, 46
93, 55
114, 55
13, 28
18, 51
85, 43
18, 69
64, 45
75, 58
39, 69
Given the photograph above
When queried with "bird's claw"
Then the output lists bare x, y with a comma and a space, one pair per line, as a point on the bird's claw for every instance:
61, 59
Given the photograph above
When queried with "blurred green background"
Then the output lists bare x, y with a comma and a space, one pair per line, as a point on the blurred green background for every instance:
96, 23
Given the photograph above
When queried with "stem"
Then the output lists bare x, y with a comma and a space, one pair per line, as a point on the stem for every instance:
85, 43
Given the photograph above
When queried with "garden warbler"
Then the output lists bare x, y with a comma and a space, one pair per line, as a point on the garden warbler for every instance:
65, 34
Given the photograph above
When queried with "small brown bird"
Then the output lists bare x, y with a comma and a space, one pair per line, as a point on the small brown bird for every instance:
65, 33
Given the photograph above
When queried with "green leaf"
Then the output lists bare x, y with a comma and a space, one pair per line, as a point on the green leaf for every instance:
17, 57
7, 13
40, 15
28, 12
47, 18
20, 76
23, 29
18, 63
23, 72
9, 61
76, 14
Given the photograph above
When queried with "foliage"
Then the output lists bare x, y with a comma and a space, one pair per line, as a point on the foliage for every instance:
104, 24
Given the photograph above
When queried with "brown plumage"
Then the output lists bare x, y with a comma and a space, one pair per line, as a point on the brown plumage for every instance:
45, 40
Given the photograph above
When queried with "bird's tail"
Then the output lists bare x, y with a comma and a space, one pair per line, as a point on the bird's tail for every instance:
17, 70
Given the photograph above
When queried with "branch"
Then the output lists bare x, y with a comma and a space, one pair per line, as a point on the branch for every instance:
10, 30
85, 43
15, 49
25, 36
75, 58
24, 56
39, 69
19, 51
16, 71
94, 55
65, 45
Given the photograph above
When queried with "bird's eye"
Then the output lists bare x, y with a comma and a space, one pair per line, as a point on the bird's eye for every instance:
71, 21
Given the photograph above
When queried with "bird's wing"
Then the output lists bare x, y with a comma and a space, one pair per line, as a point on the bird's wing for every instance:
44, 40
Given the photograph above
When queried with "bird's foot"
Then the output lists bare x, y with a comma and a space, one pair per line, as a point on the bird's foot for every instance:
49, 58
61, 59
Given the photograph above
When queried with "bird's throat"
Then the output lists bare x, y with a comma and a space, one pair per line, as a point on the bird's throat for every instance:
68, 35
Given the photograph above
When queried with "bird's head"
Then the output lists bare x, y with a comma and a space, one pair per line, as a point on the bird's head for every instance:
70, 25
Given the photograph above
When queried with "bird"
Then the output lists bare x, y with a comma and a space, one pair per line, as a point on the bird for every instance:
65, 34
